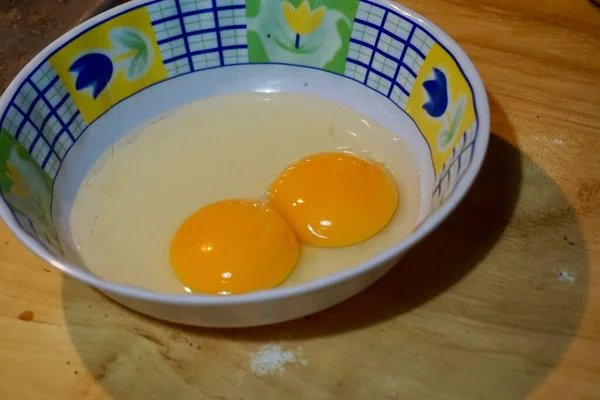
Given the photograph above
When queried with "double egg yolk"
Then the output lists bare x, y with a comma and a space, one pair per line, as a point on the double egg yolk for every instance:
333, 199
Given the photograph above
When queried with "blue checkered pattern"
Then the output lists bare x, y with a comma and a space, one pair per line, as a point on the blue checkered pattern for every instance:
44, 119
199, 34
454, 169
386, 51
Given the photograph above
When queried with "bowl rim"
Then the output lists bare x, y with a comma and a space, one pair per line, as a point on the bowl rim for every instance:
424, 229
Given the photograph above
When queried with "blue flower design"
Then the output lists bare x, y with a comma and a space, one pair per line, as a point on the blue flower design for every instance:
437, 90
93, 70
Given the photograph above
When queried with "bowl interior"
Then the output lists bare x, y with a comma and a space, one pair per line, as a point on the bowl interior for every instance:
126, 66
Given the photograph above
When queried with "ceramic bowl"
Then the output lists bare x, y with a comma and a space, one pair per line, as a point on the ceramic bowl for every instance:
136, 61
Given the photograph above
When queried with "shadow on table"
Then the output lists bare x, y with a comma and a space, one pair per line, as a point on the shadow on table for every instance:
487, 237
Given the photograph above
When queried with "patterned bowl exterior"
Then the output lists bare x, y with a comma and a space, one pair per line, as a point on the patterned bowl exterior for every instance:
374, 42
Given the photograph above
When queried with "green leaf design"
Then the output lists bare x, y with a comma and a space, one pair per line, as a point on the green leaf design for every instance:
258, 54
252, 8
338, 62
445, 137
139, 62
133, 42
130, 39
458, 114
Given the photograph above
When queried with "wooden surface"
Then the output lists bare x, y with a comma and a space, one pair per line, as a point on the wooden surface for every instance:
502, 302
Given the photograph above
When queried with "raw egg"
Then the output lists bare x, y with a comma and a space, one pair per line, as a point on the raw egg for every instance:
232, 247
144, 186
335, 199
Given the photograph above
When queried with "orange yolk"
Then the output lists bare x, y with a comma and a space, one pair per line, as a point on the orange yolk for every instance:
232, 247
335, 199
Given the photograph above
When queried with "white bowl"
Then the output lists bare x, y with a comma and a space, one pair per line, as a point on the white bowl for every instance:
150, 56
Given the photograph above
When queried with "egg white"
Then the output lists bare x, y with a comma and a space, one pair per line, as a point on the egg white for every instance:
231, 146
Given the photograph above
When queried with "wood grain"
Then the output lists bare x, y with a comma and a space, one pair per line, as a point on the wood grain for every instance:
502, 302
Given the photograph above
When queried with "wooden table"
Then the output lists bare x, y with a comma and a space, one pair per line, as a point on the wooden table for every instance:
503, 302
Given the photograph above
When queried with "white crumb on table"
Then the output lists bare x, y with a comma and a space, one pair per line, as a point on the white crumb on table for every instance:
566, 276
272, 359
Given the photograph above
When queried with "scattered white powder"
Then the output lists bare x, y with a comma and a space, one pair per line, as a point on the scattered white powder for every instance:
271, 359
553, 140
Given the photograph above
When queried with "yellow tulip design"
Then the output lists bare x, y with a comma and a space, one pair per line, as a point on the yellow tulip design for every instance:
303, 20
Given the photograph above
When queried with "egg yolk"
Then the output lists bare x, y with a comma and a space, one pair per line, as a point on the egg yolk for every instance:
335, 199
232, 247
